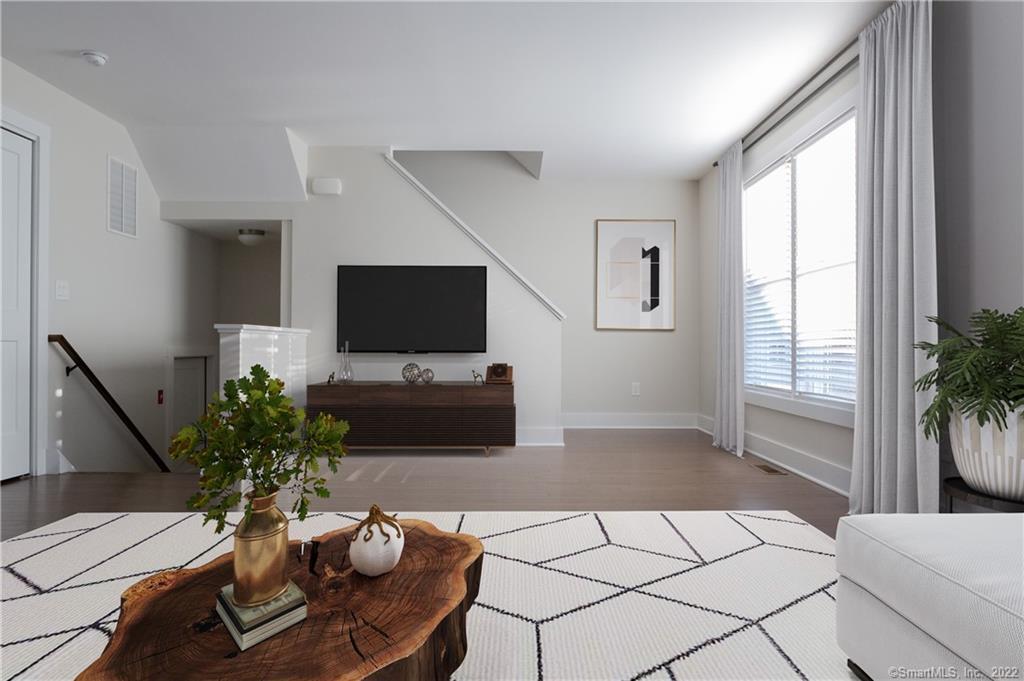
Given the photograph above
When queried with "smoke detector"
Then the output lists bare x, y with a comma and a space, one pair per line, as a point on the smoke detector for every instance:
94, 58
251, 237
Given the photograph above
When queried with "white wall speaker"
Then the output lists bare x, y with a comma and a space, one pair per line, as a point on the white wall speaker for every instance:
325, 186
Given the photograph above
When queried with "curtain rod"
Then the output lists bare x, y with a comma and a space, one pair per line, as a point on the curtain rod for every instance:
842, 61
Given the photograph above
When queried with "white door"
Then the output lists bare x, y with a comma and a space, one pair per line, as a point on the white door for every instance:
189, 392
15, 343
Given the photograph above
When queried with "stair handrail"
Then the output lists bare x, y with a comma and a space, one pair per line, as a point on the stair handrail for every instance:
79, 363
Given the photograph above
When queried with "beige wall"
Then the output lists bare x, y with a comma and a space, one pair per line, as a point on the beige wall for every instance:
249, 283
707, 228
382, 219
545, 228
133, 301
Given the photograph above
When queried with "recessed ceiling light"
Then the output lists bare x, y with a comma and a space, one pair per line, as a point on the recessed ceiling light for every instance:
251, 237
94, 58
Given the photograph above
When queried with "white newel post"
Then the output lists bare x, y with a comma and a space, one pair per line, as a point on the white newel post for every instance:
279, 350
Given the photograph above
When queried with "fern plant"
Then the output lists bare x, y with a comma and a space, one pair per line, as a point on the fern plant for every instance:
980, 374
254, 433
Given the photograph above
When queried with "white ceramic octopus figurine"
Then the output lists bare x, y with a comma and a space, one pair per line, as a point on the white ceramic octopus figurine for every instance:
377, 545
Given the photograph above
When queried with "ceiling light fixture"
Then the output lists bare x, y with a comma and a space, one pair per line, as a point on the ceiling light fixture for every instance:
94, 57
251, 237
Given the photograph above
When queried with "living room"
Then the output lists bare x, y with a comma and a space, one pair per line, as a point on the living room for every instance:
629, 303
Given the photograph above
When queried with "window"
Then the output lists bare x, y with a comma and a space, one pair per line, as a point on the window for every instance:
800, 270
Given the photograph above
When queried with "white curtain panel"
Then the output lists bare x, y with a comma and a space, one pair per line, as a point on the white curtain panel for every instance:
729, 363
895, 469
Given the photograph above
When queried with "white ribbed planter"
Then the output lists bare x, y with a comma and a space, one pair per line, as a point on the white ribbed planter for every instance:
990, 460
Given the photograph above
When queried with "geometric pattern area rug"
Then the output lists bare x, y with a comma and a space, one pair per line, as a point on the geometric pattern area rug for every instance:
573, 596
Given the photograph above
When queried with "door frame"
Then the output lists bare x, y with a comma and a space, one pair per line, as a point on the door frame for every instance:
207, 351
42, 459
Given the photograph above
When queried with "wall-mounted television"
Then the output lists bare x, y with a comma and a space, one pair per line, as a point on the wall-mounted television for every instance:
401, 308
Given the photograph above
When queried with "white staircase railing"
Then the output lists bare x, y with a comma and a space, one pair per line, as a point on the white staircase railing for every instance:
474, 237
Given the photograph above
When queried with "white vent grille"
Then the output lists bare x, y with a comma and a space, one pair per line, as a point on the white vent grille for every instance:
122, 180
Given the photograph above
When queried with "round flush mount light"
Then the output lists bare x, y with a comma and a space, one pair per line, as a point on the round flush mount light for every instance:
94, 57
251, 237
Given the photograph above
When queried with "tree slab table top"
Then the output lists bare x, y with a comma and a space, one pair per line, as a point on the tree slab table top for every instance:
407, 624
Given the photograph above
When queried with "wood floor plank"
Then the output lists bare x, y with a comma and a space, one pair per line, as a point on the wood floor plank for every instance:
612, 470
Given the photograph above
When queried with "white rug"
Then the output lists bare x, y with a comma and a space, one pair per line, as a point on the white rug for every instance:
606, 595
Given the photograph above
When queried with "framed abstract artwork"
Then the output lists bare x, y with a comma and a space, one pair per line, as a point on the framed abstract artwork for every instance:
636, 267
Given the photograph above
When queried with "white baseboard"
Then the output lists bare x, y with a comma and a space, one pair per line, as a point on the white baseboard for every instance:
64, 466
825, 473
539, 437
593, 420
808, 466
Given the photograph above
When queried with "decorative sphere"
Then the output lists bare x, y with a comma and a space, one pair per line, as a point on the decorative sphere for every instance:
411, 372
427, 375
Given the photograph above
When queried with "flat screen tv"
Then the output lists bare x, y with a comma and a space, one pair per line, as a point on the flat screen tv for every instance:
412, 308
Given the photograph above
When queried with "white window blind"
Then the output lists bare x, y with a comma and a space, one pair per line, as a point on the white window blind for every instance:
800, 273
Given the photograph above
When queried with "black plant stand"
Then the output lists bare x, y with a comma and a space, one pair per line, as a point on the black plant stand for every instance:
956, 488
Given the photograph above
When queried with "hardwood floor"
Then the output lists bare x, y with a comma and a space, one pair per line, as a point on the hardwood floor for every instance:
598, 470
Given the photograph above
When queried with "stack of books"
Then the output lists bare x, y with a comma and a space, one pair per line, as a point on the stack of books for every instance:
249, 626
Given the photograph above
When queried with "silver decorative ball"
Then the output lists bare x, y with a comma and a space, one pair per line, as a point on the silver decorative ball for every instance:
411, 372
427, 375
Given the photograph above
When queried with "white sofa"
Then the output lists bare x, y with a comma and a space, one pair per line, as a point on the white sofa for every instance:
939, 593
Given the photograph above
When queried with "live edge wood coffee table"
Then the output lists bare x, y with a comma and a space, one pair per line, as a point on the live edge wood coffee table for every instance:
407, 624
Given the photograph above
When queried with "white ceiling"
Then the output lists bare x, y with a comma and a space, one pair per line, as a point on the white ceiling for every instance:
602, 89
227, 229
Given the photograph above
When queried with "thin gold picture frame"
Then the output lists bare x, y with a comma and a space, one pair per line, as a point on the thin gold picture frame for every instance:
672, 282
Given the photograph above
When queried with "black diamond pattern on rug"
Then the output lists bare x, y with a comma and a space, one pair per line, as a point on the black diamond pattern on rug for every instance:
606, 595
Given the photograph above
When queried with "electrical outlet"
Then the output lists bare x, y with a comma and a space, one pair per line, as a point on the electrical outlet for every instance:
636, 389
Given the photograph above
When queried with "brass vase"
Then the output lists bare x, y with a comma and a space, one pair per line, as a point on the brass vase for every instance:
261, 554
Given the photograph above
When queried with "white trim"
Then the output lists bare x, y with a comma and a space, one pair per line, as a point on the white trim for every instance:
829, 411
628, 420
44, 460
829, 475
285, 318
474, 237
539, 437
812, 129
209, 352
825, 473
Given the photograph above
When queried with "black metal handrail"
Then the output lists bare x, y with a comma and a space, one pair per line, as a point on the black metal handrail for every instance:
79, 363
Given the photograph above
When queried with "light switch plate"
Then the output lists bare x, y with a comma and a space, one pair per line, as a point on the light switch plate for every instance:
62, 290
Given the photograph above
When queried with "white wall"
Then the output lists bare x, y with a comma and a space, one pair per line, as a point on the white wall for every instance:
978, 77
978, 82
132, 300
545, 228
249, 283
819, 450
381, 219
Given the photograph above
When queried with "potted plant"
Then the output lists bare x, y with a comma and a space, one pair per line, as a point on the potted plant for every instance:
979, 392
253, 437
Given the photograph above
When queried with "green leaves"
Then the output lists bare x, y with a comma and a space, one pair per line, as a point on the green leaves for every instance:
254, 433
980, 375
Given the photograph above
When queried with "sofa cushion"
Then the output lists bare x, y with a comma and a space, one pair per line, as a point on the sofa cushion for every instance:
959, 578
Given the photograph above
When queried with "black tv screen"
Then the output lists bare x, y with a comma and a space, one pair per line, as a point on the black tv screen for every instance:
412, 308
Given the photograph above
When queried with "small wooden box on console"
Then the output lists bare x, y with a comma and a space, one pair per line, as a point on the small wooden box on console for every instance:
439, 414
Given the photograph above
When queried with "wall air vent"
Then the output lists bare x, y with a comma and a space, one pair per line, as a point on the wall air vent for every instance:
122, 197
